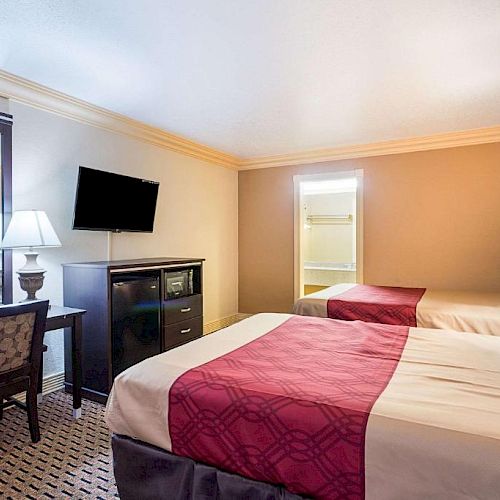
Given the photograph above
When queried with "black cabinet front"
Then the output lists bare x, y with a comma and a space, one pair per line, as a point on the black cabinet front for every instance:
135, 334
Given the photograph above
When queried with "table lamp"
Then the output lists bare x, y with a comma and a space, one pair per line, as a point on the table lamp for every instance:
30, 229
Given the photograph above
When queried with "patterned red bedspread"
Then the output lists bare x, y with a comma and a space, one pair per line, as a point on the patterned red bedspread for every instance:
291, 407
377, 304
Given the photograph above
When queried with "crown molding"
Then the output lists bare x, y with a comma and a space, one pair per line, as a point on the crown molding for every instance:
38, 96
425, 143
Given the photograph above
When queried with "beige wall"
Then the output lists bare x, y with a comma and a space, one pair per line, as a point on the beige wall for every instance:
196, 214
431, 219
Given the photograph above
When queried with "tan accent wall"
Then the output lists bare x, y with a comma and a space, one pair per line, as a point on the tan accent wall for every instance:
431, 219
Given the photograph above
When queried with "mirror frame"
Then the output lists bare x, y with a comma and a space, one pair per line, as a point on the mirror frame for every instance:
6, 122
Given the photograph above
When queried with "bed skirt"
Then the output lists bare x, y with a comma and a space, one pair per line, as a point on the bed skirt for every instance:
147, 472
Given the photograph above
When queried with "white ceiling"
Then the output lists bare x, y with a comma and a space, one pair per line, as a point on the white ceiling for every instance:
262, 77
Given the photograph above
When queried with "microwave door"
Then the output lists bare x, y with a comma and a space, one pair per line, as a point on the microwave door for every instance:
179, 283
177, 287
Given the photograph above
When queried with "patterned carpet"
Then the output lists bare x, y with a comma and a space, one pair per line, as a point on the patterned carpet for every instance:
72, 460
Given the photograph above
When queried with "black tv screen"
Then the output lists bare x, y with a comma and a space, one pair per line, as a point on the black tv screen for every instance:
113, 202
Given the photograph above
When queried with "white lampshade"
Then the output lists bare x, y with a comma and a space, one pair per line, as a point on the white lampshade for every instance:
28, 229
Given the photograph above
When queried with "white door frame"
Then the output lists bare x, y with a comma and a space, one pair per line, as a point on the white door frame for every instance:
298, 224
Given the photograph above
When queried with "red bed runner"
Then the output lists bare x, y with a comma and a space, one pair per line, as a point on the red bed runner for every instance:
377, 304
291, 407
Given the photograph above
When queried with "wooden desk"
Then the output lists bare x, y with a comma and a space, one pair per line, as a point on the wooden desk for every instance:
68, 317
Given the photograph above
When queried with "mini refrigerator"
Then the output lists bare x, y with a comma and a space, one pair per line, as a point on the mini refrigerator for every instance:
136, 333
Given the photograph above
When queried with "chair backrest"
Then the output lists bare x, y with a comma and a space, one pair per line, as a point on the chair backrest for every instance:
21, 338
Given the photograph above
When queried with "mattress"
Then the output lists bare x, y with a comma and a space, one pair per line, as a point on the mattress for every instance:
448, 310
429, 428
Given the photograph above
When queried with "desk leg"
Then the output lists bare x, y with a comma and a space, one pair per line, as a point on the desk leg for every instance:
39, 389
76, 355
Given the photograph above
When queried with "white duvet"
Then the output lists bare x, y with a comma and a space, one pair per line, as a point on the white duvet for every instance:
434, 432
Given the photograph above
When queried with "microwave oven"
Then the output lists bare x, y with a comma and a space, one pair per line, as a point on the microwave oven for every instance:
178, 283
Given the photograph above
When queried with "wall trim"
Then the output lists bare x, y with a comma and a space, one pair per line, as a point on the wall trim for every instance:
409, 145
53, 383
38, 96
218, 324
27, 92
242, 316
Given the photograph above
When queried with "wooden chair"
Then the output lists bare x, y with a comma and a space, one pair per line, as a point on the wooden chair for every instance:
21, 342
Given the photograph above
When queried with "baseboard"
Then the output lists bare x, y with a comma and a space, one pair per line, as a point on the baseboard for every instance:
98, 397
53, 383
218, 324
244, 316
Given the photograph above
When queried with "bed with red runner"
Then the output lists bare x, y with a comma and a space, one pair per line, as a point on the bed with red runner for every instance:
323, 408
377, 304
477, 312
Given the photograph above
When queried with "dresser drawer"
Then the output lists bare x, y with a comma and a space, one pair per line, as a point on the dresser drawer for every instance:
176, 310
182, 332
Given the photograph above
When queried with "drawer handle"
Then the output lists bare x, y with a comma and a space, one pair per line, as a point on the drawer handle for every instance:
187, 330
185, 310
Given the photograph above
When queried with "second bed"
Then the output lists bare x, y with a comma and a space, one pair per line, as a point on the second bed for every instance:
448, 310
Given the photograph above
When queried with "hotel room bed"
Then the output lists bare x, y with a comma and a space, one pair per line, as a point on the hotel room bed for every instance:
281, 405
461, 311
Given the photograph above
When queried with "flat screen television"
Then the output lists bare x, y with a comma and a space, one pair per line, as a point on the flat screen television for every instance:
112, 202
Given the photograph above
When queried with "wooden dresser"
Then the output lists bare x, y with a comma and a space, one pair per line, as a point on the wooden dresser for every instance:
135, 309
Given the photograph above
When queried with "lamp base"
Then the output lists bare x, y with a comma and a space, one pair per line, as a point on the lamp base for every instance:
31, 265
31, 283
31, 276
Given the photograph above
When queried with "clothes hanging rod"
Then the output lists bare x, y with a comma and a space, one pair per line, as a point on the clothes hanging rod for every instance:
330, 219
